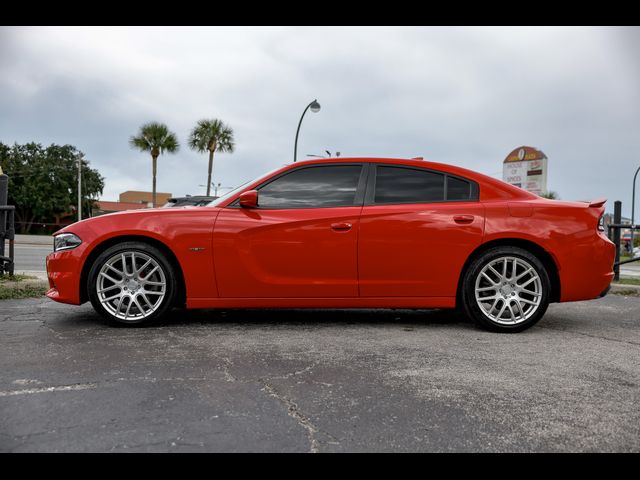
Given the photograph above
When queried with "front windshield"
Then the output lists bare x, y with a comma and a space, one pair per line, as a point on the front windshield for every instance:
226, 196
219, 200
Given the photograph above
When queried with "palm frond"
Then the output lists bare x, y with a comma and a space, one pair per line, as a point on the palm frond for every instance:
211, 134
155, 136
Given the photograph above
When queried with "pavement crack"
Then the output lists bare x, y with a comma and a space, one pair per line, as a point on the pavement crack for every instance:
294, 412
225, 367
56, 334
226, 364
297, 372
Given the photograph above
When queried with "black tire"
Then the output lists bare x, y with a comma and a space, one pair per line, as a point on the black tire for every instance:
479, 315
161, 305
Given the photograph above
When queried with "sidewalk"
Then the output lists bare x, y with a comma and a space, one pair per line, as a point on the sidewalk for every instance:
41, 276
630, 269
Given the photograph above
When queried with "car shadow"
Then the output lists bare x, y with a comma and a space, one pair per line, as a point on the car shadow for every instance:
407, 318
305, 317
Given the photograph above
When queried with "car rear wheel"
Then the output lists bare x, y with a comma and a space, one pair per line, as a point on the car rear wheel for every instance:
506, 289
132, 283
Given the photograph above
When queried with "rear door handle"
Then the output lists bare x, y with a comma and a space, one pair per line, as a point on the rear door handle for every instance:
463, 218
341, 227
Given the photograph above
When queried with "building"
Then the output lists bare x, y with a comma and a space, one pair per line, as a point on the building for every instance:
130, 200
134, 196
102, 207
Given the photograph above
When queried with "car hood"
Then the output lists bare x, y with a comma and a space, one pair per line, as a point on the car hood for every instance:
126, 215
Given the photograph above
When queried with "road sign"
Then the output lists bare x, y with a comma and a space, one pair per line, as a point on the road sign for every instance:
526, 167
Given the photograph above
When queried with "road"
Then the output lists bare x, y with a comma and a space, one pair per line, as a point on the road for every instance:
319, 381
630, 269
31, 258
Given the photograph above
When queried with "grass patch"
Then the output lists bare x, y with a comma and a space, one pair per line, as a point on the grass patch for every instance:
23, 291
16, 278
629, 281
21, 286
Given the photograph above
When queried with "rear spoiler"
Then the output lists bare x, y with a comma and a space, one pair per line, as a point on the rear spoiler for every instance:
597, 202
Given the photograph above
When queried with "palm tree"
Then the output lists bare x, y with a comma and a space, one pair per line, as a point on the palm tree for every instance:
155, 138
211, 136
550, 195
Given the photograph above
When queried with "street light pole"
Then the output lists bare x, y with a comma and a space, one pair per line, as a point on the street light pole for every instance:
79, 187
315, 107
633, 206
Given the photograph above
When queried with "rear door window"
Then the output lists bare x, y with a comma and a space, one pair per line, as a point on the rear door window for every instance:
407, 185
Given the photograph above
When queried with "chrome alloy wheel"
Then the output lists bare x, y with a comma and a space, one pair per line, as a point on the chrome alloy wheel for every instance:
131, 285
508, 290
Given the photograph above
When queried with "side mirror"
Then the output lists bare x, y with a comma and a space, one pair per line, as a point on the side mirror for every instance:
249, 199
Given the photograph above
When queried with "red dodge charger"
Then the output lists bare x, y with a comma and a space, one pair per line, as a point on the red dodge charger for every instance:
343, 233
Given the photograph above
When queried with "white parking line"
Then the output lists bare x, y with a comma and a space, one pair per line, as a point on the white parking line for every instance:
61, 388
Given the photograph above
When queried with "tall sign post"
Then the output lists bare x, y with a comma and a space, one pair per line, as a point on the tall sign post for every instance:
526, 167
79, 187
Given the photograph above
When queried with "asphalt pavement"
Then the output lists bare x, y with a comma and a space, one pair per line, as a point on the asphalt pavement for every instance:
319, 381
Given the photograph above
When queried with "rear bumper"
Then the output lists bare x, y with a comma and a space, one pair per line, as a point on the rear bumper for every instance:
587, 271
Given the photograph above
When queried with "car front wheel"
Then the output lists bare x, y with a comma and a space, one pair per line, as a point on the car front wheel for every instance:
132, 283
506, 289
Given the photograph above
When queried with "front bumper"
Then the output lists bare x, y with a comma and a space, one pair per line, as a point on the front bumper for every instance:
63, 272
604, 292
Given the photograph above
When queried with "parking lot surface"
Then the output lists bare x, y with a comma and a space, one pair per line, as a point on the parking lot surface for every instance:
319, 381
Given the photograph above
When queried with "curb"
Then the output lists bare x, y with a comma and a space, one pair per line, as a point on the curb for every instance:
622, 289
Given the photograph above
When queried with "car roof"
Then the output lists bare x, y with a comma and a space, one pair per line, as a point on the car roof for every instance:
498, 190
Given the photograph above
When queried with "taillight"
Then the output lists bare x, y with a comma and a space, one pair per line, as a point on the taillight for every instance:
601, 223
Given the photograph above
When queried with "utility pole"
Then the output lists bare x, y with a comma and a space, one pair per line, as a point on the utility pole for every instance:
79, 187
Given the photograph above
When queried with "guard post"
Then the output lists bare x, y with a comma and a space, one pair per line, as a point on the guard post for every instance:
617, 220
7, 227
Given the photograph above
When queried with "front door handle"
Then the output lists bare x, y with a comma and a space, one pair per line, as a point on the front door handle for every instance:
463, 219
341, 227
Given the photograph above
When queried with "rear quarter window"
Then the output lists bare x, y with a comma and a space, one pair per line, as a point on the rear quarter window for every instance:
458, 189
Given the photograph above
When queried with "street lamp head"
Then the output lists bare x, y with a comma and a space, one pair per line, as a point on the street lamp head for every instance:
315, 106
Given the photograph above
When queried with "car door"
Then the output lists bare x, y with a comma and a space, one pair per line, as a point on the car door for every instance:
301, 241
417, 229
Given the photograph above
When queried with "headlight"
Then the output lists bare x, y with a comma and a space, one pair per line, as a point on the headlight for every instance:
65, 241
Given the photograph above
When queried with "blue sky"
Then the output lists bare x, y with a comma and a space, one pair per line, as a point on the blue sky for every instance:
460, 95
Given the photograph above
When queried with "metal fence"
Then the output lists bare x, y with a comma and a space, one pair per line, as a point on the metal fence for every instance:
615, 231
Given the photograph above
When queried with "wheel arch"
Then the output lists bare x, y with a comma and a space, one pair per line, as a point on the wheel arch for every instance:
102, 246
544, 256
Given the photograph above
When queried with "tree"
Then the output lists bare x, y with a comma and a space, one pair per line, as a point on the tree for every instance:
155, 138
551, 195
211, 136
43, 182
